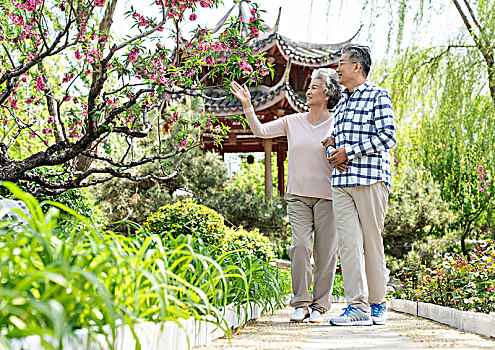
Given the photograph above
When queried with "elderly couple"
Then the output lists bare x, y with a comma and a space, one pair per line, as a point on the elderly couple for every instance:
337, 199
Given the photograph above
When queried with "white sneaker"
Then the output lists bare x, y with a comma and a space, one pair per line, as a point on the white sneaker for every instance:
378, 313
352, 316
316, 317
299, 315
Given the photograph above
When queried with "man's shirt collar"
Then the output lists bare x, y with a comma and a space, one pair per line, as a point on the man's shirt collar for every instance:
361, 87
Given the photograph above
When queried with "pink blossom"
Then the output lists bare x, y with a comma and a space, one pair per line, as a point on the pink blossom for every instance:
255, 32
32, 134
246, 67
50, 120
100, 3
5, 121
253, 11
209, 61
13, 103
18, 20
205, 3
175, 116
481, 189
183, 143
40, 84
193, 17
62, 6
30, 5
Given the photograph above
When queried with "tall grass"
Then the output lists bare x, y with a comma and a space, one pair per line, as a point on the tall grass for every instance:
52, 284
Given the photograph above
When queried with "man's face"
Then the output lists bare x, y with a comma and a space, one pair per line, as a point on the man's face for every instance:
346, 69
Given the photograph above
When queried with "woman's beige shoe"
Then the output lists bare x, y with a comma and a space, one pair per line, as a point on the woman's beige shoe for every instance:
299, 315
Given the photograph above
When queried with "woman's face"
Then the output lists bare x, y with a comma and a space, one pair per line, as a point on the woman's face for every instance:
315, 95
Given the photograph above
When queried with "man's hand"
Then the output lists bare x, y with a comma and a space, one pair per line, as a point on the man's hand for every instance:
338, 158
329, 141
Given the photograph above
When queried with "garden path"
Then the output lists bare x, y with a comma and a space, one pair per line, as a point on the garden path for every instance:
401, 332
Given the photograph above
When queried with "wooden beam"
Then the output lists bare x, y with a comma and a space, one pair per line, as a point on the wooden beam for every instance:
268, 145
280, 170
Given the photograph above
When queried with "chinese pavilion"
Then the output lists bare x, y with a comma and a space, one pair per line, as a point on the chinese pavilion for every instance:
272, 98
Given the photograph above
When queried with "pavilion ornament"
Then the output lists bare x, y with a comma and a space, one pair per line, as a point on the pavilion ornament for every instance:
244, 13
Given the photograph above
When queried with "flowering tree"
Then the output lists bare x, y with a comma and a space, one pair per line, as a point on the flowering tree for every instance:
68, 88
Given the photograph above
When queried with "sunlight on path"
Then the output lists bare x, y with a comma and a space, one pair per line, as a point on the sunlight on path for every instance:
401, 332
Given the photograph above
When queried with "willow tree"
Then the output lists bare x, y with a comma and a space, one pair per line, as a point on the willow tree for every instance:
445, 103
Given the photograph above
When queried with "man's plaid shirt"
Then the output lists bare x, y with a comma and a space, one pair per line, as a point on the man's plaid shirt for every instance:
365, 127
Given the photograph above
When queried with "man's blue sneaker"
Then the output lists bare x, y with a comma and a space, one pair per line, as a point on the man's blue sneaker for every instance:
378, 313
352, 316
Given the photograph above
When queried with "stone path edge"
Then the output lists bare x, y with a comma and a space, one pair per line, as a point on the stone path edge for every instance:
473, 322
169, 335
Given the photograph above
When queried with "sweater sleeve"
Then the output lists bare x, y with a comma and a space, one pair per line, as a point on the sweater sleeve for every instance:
268, 130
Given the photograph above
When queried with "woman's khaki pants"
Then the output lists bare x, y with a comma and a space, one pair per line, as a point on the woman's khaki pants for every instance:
313, 232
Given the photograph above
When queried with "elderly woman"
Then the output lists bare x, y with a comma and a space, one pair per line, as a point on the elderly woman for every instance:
309, 193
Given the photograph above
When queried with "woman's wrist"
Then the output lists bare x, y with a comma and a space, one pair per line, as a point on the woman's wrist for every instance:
247, 105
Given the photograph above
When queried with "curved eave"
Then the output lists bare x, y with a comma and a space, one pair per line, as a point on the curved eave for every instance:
264, 102
261, 103
295, 102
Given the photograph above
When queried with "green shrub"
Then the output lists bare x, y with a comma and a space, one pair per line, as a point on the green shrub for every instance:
200, 173
78, 199
416, 212
456, 282
186, 218
53, 285
249, 209
253, 242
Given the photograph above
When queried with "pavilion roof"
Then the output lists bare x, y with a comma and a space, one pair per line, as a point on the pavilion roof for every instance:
262, 97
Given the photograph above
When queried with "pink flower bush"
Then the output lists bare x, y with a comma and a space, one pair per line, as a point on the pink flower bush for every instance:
106, 86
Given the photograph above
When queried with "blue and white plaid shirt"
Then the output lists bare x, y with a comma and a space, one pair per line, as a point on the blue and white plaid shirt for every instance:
365, 127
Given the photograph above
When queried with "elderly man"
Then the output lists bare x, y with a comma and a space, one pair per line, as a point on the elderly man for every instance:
363, 134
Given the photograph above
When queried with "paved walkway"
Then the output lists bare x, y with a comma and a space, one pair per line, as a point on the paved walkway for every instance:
401, 332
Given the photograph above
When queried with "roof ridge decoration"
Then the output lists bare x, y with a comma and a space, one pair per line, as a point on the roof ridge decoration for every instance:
244, 13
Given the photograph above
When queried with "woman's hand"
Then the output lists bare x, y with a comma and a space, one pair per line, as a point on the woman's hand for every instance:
329, 141
242, 93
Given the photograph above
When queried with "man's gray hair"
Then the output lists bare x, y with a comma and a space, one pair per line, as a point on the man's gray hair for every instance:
361, 54
331, 85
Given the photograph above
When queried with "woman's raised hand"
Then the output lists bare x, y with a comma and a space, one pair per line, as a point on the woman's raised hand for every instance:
242, 93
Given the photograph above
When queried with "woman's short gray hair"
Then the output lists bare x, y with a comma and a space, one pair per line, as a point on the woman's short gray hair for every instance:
330, 84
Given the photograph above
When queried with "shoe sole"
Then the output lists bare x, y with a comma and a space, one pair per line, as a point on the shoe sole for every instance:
316, 321
299, 320
355, 323
379, 323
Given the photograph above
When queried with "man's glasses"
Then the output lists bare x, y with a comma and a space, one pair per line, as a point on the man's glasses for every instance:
341, 63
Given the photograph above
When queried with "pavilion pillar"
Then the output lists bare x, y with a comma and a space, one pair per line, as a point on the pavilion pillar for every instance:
281, 154
268, 145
